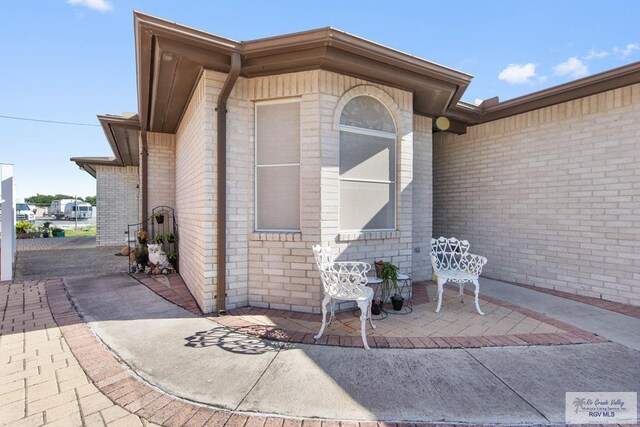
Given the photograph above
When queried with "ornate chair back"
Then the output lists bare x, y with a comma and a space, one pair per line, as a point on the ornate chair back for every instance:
341, 280
449, 254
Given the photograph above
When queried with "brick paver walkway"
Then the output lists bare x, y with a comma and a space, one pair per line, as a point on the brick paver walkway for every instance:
42, 382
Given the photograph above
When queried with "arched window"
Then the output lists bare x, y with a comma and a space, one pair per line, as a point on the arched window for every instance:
367, 166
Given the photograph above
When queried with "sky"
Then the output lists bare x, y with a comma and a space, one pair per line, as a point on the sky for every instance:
69, 60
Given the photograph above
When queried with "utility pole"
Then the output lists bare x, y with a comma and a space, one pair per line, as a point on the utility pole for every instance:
75, 208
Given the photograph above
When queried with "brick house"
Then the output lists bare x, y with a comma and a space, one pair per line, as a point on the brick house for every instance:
327, 137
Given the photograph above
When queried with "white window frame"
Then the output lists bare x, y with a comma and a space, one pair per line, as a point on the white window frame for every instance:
256, 166
379, 134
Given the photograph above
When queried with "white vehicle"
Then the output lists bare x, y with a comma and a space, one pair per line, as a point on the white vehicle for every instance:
79, 210
57, 207
24, 212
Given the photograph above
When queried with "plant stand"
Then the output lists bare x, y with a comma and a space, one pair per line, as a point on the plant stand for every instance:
406, 290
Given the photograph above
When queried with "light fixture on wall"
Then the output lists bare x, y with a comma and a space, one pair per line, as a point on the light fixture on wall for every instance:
442, 123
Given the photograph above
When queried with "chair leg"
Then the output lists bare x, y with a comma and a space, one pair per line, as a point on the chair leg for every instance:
333, 311
475, 282
441, 283
363, 305
326, 300
369, 315
461, 292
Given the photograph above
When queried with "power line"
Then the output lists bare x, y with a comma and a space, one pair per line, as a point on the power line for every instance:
47, 121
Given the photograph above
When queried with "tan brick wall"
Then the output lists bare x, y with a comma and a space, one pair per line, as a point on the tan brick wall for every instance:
277, 270
271, 269
550, 197
117, 203
161, 163
422, 197
195, 189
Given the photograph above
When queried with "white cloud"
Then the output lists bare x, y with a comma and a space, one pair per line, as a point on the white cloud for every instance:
595, 54
518, 73
99, 5
628, 50
571, 67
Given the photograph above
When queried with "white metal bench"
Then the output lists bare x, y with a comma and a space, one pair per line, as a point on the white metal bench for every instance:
344, 281
452, 263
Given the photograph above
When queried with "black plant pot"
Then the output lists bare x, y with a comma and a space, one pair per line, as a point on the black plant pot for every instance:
142, 241
160, 219
376, 308
397, 302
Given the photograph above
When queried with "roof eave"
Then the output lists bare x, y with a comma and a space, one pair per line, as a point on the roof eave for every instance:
165, 82
121, 132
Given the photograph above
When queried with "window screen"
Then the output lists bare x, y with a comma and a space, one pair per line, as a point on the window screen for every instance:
367, 166
277, 171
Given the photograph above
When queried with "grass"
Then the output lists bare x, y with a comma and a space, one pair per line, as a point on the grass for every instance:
89, 231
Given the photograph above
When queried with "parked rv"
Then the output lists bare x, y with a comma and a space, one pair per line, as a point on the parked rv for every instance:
79, 210
57, 207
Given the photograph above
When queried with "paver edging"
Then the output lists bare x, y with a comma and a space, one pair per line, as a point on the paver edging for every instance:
571, 334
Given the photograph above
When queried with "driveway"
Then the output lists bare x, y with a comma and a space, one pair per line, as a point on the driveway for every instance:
66, 257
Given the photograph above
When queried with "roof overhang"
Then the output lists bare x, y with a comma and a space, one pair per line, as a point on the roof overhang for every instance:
170, 58
463, 114
122, 133
88, 164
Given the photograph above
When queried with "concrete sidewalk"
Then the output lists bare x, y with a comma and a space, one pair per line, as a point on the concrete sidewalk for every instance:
615, 327
197, 359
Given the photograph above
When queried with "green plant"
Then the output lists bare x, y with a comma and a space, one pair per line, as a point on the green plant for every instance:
171, 256
143, 236
47, 224
171, 238
23, 227
389, 274
158, 239
159, 214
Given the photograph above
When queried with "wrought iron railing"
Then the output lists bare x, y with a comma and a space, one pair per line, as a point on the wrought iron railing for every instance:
159, 229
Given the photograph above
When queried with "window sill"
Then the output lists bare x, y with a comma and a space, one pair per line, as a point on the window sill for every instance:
367, 235
276, 236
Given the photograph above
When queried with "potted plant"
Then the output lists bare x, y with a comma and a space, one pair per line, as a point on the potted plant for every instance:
397, 301
45, 231
171, 256
389, 274
376, 306
143, 237
57, 232
159, 217
143, 256
23, 230
171, 238
158, 239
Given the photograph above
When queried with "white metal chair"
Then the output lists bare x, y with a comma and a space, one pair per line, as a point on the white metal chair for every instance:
343, 281
451, 262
